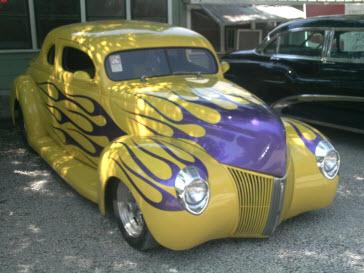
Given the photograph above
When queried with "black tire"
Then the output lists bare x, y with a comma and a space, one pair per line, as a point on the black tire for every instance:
20, 125
142, 239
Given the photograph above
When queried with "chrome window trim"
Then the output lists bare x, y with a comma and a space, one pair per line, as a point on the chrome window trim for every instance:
297, 57
294, 56
329, 34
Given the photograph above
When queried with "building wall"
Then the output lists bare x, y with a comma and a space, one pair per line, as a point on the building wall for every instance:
13, 63
318, 10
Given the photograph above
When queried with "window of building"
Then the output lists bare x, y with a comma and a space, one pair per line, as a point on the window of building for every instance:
74, 60
202, 23
25, 23
348, 45
14, 25
105, 10
51, 55
304, 43
55, 13
248, 39
150, 10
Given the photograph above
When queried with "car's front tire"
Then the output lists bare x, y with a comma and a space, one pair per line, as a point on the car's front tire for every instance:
130, 219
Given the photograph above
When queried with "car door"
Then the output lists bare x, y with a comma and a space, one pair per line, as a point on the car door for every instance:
78, 104
343, 68
298, 60
43, 72
343, 71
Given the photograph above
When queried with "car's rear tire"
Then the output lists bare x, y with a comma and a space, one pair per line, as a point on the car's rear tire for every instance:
20, 125
130, 219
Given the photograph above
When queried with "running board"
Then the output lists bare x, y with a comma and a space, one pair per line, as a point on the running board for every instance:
83, 178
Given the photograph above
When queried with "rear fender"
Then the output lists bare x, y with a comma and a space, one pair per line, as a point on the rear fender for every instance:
25, 93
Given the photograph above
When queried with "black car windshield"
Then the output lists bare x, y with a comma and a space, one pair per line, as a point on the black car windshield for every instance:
142, 63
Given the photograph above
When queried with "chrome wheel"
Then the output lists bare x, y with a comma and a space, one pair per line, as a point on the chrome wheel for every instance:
129, 212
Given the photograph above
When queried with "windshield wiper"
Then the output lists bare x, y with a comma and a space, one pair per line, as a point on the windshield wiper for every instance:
197, 73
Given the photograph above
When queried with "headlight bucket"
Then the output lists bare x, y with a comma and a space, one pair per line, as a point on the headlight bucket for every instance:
328, 159
192, 190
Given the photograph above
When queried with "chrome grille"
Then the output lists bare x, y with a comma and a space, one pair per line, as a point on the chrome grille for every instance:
255, 194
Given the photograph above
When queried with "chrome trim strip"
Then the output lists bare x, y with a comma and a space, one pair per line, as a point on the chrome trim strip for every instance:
279, 105
297, 57
327, 124
276, 205
329, 33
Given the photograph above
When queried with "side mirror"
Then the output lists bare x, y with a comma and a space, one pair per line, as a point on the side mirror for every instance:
225, 66
81, 75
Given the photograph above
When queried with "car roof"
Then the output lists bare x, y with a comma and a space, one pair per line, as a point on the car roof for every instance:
347, 21
116, 35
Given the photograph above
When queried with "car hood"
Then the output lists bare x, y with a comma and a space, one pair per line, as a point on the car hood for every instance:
231, 124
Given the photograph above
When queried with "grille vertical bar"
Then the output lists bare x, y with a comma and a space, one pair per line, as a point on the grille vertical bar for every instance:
255, 194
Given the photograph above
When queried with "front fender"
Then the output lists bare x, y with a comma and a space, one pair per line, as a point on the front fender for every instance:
148, 167
307, 187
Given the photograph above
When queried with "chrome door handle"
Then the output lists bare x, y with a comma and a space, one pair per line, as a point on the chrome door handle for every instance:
274, 58
325, 61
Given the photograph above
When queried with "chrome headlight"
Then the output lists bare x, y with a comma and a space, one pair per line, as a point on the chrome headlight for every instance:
192, 190
328, 159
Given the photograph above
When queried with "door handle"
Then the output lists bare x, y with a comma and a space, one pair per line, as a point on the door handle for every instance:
325, 61
274, 58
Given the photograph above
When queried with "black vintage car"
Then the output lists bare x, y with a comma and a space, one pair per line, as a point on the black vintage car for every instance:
310, 68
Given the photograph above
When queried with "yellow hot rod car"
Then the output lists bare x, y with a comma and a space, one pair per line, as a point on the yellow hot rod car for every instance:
138, 118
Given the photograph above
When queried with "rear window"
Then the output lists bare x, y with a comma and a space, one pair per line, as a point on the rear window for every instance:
134, 64
348, 45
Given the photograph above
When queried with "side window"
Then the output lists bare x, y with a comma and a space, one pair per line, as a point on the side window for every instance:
304, 43
271, 48
348, 46
51, 55
74, 60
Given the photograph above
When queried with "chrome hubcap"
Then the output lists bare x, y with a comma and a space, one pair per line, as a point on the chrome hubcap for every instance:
129, 212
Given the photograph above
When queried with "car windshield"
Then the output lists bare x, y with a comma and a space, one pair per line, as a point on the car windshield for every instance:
142, 63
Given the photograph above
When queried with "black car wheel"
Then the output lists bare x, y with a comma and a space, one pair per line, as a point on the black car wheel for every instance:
20, 125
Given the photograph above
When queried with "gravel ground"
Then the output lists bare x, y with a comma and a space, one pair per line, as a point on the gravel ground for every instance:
45, 226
